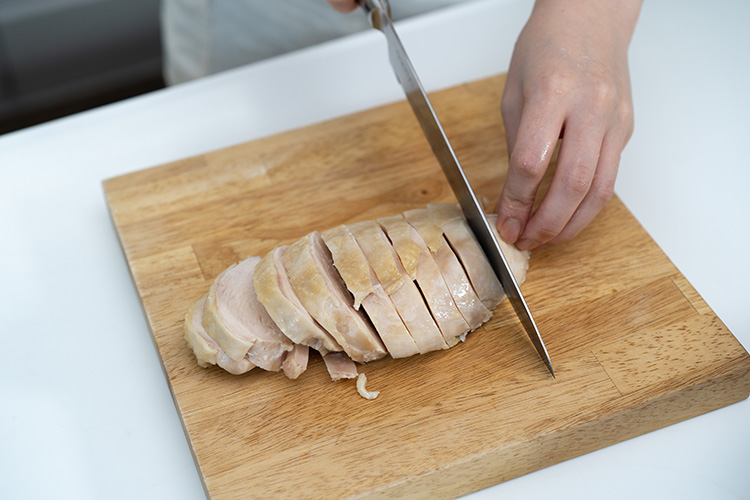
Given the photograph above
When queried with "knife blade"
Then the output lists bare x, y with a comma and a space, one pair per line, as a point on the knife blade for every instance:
378, 12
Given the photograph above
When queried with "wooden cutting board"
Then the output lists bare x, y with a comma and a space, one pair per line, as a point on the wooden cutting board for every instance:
635, 348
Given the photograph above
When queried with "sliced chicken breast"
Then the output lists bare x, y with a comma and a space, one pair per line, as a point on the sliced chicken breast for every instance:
354, 268
428, 277
296, 361
403, 285
449, 218
323, 293
431, 233
340, 366
239, 323
403, 292
379, 253
388, 323
206, 350
350, 262
467, 301
470, 306
518, 260
275, 292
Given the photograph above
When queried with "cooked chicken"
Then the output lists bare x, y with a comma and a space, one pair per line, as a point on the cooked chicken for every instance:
424, 223
275, 292
323, 293
517, 260
450, 219
471, 308
399, 234
403, 292
362, 389
240, 324
417, 317
401, 285
379, 253
361, 280
296, 361
350, 262
206, 350
339, 366
430, 281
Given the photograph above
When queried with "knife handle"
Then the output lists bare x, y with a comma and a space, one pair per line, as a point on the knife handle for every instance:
376, 10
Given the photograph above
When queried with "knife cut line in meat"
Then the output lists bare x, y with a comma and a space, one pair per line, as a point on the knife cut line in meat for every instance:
378, 12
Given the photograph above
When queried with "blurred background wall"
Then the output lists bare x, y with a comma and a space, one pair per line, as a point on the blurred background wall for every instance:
59, 57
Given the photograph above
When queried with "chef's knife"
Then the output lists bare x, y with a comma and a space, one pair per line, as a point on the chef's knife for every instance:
379, 14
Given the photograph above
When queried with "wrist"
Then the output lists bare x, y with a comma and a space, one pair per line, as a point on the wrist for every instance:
612, 20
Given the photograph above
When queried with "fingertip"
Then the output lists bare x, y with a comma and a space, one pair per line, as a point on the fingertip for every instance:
343, 6
510, 229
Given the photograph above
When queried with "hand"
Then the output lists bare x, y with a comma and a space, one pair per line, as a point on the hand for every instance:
343, 5
568, 79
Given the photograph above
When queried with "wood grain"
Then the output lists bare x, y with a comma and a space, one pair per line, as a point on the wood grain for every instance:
634, 346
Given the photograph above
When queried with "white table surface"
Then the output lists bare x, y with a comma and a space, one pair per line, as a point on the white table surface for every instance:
85, 410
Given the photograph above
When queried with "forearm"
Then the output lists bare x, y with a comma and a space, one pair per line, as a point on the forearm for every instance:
612, 21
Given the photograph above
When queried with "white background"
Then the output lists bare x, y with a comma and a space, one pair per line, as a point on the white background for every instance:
85, 411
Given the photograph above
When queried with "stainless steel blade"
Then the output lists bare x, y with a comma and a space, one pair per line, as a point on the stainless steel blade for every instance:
379, 14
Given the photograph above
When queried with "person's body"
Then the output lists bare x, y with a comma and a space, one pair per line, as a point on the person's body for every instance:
568, 79
202, 37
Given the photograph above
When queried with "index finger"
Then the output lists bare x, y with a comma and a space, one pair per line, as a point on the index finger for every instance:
537, 134
576, 164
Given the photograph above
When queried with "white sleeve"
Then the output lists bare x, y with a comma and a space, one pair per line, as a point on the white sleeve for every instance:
201, 37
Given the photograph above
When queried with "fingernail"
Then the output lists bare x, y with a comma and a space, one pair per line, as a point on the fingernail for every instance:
510, 230
525, 244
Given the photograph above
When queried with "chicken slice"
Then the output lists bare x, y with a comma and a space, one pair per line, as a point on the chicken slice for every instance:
407, 249
431, 233
416, 316
323, 293
340, 366
471, 308
350, 262
355, 269
428, 277
518, 260
276, 294
296, 361
467, 301
206, 350
379, 253
486, 285
383, 314
404, 294
239, 323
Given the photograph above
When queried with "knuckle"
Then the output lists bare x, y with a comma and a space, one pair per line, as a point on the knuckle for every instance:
527, 163
625, 112
546, 231
603, 193
626, 118
555, 82
578, 180
603, 93
514, 205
